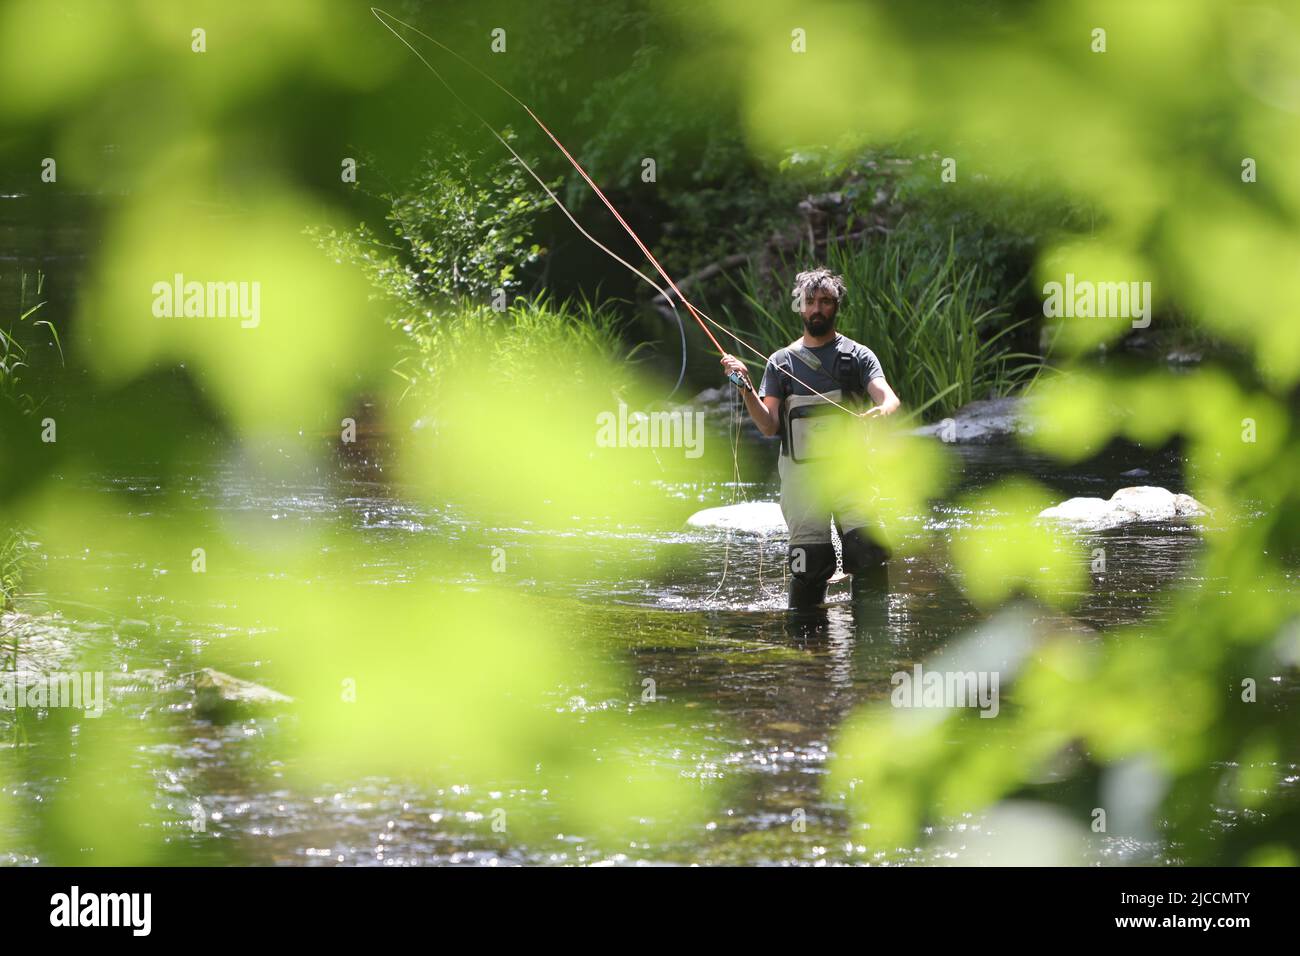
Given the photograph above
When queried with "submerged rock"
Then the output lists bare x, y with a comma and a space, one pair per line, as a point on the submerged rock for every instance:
720, 407
1126, 506
756, 517
983, 421
219, 696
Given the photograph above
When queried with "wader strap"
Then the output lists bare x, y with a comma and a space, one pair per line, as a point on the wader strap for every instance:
845, 372
796, 348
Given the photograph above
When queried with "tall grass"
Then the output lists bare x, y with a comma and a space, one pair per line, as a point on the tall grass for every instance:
939, 326
15, 554
15, 551
16, 338
13, 353
531, 335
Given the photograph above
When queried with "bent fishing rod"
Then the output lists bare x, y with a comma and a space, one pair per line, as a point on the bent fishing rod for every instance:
741, 381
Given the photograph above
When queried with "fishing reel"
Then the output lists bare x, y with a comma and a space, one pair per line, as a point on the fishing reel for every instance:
740, 380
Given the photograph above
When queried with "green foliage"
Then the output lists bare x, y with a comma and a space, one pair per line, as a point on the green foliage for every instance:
1150, 189
918, 306
15, 548
754, 203
15, 554
521, 347
461, 230
462, 227
1144, 143
995, 225
13, 351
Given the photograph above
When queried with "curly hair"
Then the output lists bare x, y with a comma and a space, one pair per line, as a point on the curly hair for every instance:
807, 283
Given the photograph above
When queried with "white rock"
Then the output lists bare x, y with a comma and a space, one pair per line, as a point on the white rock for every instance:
756, 517
1126, 506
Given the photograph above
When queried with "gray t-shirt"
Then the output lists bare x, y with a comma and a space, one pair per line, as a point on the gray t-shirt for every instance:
780, 384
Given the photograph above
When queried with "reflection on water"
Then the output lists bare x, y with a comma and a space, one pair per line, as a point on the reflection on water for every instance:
764, 688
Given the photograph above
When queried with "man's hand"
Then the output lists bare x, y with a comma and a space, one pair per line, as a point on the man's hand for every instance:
732, 364
764, 411
886, 401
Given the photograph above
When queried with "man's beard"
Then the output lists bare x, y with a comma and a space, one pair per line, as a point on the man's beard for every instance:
818, 325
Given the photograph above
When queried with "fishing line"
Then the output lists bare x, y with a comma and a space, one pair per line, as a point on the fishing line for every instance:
379, 15
699, 316
734, 424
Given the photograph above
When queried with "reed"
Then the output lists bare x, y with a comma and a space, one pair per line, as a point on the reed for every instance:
939, 326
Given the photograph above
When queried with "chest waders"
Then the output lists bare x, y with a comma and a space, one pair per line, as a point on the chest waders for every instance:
811, 496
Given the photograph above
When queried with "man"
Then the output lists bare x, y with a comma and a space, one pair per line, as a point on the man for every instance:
840, 369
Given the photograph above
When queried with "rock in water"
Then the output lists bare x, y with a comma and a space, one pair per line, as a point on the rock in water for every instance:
219, 697
756, 517
1126, 506
988, 420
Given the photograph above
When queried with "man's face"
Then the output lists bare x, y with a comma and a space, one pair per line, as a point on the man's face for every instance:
819, 308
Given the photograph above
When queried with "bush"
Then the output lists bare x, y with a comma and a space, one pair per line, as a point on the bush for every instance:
462, 226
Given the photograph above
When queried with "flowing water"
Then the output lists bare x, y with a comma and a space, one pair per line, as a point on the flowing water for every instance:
761, 692
764, 688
